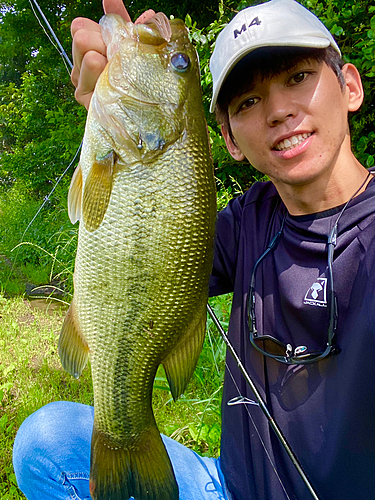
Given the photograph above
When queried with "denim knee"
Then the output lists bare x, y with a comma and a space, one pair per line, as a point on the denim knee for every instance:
51, 442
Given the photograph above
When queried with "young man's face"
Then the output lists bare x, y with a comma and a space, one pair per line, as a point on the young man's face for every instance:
292, 126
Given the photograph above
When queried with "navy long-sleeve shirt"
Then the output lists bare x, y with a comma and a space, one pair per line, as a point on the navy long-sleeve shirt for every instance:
325, 409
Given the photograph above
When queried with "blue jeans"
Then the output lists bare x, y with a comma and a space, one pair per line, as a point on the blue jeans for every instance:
51, 458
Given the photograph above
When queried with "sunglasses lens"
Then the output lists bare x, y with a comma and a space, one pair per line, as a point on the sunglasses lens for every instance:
270, 346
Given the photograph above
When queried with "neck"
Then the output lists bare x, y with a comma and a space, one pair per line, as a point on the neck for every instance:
331, 190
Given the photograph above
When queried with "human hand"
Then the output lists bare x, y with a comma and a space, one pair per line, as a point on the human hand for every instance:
89, 51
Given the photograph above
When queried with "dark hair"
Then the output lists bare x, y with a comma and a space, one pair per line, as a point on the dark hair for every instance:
266, 62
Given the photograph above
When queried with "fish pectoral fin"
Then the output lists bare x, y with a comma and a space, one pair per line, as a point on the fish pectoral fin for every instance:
75, 196
97, 192
180, 363
141, 470
154, 140
72, 347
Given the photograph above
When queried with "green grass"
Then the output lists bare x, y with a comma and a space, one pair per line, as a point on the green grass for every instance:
31, 376
36, 253
14, 277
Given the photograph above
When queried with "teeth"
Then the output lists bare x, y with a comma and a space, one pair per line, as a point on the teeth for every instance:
291, 142
294, 140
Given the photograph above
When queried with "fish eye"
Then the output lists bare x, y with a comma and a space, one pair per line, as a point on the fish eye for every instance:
180, 61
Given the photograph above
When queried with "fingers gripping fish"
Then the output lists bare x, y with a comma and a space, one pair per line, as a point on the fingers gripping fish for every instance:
144, 194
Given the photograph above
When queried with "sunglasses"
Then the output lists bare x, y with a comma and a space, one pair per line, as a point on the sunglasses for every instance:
275, 348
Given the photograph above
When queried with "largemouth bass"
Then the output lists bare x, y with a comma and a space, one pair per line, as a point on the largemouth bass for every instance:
144, 194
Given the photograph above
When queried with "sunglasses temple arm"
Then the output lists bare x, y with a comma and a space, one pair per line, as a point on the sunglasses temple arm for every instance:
263, 405
331, 244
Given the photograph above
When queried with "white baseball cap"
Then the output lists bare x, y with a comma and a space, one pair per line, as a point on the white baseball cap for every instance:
283, 23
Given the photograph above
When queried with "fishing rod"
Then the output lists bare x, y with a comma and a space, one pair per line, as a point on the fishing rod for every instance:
262, 404
62, 51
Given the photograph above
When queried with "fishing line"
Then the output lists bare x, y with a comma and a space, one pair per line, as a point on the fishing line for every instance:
47, 198
66, 59
246, 402
59, 47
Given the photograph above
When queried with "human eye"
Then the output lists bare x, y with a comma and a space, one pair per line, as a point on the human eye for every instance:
299, 77
242, 103
248, 103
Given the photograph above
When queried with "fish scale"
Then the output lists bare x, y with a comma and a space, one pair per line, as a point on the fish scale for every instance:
144, 194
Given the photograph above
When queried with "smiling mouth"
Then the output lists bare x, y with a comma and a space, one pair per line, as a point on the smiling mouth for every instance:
291, 142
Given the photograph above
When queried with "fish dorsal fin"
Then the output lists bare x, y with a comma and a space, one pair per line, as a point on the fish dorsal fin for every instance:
97, 192
180, 363
72, 347
75, 196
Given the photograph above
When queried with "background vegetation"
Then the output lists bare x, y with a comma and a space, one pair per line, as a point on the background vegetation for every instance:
41, 127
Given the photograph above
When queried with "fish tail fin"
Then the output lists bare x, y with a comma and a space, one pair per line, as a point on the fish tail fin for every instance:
142, 470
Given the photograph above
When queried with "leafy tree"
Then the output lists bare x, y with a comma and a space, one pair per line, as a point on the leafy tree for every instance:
41, 125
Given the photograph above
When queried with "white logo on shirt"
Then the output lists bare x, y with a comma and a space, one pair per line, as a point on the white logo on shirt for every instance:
316, 295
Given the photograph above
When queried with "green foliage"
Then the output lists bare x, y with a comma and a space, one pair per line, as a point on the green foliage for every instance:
41, 129
41, 124
42, 253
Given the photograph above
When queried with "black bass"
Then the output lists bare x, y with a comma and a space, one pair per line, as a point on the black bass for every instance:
144, 194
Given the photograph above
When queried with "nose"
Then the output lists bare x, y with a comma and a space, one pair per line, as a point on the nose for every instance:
279, 106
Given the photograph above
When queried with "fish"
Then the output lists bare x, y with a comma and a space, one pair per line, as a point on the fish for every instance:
144, 195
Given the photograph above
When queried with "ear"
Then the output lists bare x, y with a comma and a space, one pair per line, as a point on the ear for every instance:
353, 87
232, 147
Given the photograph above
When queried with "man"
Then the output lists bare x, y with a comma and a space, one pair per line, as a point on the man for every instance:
298, 252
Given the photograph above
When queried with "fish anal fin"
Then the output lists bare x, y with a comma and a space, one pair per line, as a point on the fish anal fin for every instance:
72, 347
180, 363
75, 196
97, 192
142, 470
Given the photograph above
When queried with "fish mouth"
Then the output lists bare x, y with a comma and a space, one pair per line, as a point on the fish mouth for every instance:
155, 31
